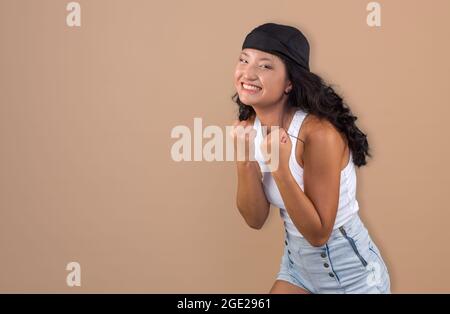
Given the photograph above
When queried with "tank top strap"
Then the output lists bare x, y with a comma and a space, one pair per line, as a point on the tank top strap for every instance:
257, 142
256, 123
295, 126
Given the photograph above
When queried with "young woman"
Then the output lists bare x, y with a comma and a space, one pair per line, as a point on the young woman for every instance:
327, 247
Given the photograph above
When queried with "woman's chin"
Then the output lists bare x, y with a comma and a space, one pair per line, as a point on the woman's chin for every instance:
248, 99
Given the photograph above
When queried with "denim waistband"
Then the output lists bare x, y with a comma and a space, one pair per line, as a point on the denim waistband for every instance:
349, 227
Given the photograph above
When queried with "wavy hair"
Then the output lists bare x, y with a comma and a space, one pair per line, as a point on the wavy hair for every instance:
311, 94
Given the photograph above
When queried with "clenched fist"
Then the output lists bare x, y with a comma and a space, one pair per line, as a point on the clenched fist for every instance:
243, 135
276, 149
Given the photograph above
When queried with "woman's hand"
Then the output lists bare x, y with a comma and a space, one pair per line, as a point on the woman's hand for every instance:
277, 139
243, 135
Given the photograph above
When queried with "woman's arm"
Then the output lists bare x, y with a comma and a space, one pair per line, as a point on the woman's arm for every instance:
251, 199
313, 211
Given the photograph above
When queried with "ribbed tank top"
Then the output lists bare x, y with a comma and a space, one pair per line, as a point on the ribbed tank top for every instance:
348, 205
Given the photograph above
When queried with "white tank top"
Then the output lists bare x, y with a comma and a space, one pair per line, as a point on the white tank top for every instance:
348, 205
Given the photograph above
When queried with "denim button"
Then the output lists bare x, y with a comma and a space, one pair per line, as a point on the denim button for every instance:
326, 265
285, 242
289, 252
331, 274
323, 255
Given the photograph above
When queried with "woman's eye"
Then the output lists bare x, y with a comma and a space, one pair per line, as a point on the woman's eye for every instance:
264, 65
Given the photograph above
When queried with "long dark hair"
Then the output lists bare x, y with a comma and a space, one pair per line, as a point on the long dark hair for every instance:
311, 94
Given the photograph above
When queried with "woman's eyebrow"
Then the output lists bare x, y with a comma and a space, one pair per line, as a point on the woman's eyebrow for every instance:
263, 58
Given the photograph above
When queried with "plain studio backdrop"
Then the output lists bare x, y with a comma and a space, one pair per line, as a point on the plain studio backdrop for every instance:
86, 114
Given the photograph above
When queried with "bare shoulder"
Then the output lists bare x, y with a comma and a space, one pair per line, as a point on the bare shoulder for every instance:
322, 131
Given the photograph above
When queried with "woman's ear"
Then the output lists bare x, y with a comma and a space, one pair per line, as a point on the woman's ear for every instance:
288, 89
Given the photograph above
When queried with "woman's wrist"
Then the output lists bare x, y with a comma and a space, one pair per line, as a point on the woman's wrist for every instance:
281, 173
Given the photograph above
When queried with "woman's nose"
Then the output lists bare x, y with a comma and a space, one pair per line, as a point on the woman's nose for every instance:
250, 73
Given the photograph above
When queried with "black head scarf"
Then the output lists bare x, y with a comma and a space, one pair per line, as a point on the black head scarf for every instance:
285, 40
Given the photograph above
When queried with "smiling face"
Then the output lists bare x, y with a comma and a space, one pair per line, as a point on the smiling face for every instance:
260, 78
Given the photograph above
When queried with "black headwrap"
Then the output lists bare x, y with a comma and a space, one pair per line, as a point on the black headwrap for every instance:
285, 40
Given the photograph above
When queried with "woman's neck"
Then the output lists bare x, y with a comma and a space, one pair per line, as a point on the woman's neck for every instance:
275, 116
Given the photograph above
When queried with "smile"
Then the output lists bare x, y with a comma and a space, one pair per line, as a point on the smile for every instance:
250, 88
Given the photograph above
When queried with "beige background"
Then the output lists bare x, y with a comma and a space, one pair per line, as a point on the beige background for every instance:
86, 114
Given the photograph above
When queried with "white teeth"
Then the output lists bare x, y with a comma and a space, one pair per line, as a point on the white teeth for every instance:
250, 87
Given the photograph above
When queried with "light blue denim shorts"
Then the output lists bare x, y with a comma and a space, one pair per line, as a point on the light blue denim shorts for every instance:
349, 262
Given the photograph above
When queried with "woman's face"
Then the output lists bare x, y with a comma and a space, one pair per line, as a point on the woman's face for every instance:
260, 78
